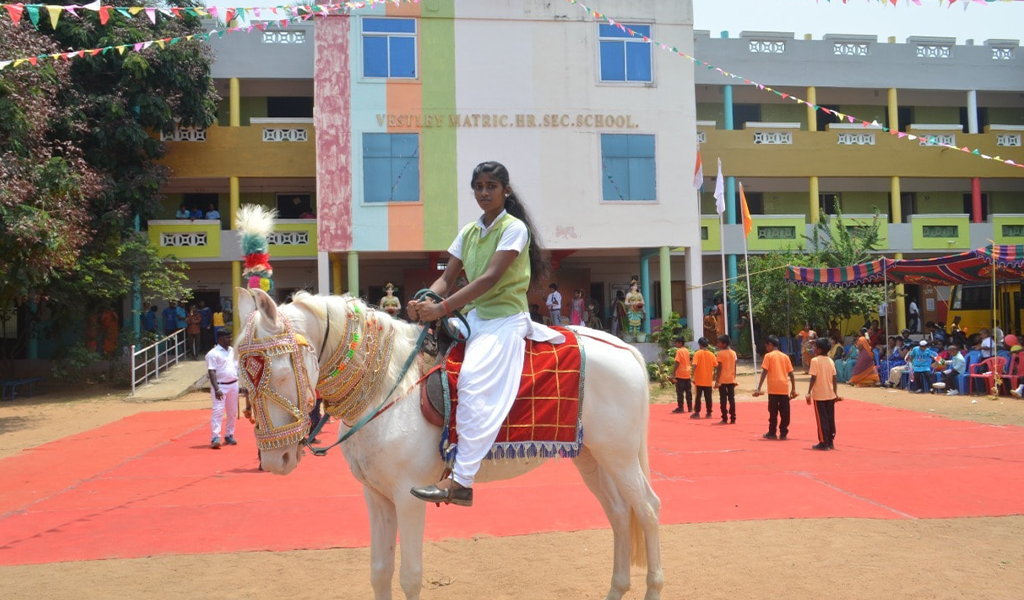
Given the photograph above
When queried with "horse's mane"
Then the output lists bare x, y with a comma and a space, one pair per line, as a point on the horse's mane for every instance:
340, 307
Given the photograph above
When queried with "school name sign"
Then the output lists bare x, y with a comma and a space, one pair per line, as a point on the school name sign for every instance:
508, 121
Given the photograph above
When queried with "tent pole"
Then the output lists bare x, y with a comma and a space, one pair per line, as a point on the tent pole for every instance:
885, 297
994, 392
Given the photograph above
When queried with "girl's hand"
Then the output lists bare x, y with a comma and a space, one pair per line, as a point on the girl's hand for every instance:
428, 311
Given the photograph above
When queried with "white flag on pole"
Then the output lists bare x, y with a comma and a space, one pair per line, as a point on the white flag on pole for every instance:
720, 190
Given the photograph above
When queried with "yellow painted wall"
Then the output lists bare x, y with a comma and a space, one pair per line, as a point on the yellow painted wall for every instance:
711, 112
864, 203
867, 112
241, 152
940, 203
714, 241
210, 250
250, 107
888, 157
961, 242
936, 114
1014, 222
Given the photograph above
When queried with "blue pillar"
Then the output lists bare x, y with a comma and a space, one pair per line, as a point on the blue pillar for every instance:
137, 297
32, 350
645, 289
730, 205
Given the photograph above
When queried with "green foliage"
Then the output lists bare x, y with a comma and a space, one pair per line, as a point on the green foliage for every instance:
665, 337
827, 246
74, 363
79, 145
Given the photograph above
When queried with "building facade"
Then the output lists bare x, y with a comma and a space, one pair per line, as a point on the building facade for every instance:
369, 126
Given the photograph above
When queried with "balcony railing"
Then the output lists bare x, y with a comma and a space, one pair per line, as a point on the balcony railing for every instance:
291, 238
265, 148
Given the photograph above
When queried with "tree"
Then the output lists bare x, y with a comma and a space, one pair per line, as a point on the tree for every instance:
79, 143
827, 246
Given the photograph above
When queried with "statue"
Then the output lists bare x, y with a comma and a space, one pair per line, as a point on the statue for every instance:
390, 303
635, 314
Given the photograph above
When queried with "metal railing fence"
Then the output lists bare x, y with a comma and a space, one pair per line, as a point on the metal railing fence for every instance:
148, 362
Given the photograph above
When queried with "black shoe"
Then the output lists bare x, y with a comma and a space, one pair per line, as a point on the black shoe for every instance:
230, 440
459, 496
724, 420
732, 420
820, 447
782, 436
831, 446
677, 411
770, 436
707, 416
695, 415
215, 443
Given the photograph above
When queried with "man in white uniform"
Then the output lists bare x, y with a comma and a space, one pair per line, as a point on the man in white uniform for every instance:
915, 316
554, 303
223, 370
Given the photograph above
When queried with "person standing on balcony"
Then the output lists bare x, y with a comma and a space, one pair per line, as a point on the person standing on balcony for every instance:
212, 214
915, 316
196, 214
183, 213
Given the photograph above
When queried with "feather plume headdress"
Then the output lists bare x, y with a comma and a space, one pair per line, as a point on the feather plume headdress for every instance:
255, 224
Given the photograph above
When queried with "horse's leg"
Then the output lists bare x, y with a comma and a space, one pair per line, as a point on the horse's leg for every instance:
412, 515
383, 527
617, 511
629, 480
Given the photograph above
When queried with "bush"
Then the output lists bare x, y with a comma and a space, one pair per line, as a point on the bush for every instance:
74, 363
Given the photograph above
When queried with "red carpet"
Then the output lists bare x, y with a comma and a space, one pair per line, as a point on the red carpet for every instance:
149, 485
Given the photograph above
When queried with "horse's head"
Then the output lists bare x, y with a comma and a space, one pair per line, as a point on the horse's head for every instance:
279, 368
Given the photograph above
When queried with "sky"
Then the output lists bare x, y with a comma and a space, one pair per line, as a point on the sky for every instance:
997, 20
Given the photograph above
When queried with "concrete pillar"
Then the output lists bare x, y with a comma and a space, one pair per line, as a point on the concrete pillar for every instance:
236, 267
730, 218
972, 111
323, 273
813, 211
812, 113
976, 212
353, 273
901, 301
336, 271
645, 289
665, 275
694, 294
234, 103
894, 114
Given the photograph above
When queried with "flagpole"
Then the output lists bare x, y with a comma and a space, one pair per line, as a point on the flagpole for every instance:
750, 301
725, 276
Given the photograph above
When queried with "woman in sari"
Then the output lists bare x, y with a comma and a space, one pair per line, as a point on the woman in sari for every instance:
864, 373
844, 367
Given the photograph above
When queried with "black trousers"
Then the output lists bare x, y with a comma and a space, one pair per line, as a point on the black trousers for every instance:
922, 381
727, 399
825, 416
706, 392
778, 413
683, 389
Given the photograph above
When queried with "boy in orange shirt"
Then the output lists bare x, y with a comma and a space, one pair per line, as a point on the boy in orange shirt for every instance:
725, 379
777, 367
704, 363
681, 377
824, 392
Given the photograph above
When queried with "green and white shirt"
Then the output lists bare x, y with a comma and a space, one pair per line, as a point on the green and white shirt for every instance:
476, 245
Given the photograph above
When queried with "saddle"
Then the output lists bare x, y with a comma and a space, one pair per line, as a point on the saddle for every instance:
544, 420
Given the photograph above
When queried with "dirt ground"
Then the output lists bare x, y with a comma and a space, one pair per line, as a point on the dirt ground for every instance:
792, 559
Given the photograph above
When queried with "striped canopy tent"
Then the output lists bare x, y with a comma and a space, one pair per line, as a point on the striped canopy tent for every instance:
973, 266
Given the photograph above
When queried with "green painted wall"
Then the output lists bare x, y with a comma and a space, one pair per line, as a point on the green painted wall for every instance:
865, 203
1005, 116
711, 112
785, 113
936, 114
440, 185
250, 107
786, 203
707, 201
867, 112
961, 242
1006, 202
940, 203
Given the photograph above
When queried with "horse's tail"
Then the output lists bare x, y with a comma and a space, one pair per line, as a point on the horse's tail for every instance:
636, 533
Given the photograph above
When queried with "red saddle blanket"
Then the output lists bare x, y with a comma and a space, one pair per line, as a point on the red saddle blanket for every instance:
545, 419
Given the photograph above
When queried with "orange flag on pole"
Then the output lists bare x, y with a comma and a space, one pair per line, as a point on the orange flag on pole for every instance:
747, 224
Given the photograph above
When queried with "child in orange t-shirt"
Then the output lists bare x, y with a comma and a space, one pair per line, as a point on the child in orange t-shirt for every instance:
681, 377
725, 379
704, 363
824, 393
777, 367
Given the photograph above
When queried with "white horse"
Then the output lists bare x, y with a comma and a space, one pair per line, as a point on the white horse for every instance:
399, 449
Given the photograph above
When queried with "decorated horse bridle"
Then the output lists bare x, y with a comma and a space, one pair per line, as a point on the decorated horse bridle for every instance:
256, 355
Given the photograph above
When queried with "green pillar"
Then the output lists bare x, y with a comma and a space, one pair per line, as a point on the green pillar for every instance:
665, 274
353, 273
645, 289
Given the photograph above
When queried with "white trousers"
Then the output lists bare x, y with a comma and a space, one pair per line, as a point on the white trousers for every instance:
488, 384
230, 402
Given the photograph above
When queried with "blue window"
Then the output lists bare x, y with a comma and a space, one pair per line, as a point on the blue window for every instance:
391, 167
389, 48
623, 56
627, 166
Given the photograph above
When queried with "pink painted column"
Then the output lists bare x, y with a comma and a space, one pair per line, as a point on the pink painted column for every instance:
332, 87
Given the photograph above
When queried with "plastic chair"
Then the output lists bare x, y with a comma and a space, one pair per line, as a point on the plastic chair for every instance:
1015, 373
970, 359
988, 377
